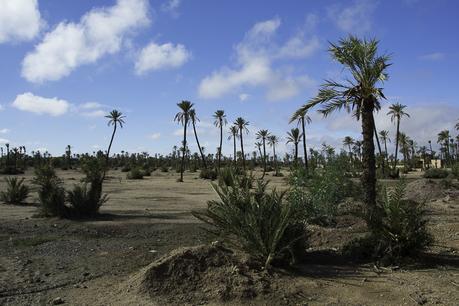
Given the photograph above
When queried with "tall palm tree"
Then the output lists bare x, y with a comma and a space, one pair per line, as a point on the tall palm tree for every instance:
359, 94
384, 136
115, 118
404, 142
349, 141
273, 140
262, 135
302, 118
443, 140
234, 133
396, 111
220, 121
193, 119
183, 117
242, 124
294, 136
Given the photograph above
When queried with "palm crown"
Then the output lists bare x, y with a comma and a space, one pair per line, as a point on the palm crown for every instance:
183, 116
367, 69
220, 118
115, 117
242, 124
396, 111
294, 136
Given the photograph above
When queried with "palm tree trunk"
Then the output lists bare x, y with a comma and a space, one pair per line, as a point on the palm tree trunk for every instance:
296, 153
234, 146
369, 163
304, 146
264, 158
396, 143
220, 147
385, 152
107, 157
379, 147
182, 164
275, 158
199, 146
242, 151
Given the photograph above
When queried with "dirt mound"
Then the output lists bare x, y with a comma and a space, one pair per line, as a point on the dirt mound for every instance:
200, 275
424, 190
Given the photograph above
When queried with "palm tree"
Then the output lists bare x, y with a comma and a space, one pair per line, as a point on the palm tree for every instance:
220, 121
443, 140
404, 146
272, 141
183, 117
262, 135
302, 118
242, 124
360, 95
234, 132
194, 118
115, 118
384, 136
349, 141
396, 111
258, 145
294, 137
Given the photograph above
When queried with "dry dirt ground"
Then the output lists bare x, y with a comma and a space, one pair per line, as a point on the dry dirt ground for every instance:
99, 262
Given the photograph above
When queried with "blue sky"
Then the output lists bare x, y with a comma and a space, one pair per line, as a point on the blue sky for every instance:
66, 63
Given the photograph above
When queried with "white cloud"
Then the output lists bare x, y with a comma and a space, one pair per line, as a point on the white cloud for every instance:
155, 136
94, 113
355, 19
100, 32
289, 87
3, 141
20, 20
91, 105
171, 6
254, 60
39, 105
243, 97
157, 57
1, 107
4, 131
436, 56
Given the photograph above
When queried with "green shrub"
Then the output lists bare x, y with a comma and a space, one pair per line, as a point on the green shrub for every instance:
126, 168
455, 170
51, 194
399, 231
85, 200
325, 190
164, 169
208, 174
16, 191
298, 176
135, 174
230, 177
11, 170
260, 223
435, 173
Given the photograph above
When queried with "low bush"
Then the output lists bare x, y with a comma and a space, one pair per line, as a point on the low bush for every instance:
262, 224
126, 168
455, 170
164, 169
86, 199
51, 194
16, 191
231, 177
435, 173
135, 174
208, 174
11, 170
399, 231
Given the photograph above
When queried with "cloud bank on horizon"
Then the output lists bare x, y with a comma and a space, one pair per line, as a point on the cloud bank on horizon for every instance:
75, 63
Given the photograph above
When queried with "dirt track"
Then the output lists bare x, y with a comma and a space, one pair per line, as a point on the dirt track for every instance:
87, 262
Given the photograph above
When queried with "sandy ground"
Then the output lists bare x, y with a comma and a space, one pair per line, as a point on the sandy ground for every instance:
87, 262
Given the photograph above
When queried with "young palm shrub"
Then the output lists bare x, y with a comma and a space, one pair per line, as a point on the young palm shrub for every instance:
51, 194
401, 232
86, 199
16, 191
208, 174
262, 224
135, 174
435, 173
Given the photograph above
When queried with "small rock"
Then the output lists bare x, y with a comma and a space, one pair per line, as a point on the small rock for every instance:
58, 301
153, 251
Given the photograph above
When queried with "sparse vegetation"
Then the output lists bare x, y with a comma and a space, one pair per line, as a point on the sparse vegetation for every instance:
16, 191
435, 173
51, 194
